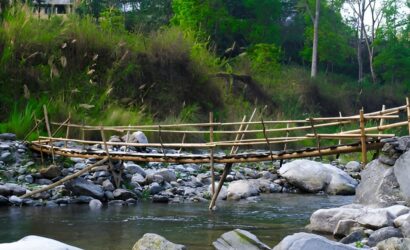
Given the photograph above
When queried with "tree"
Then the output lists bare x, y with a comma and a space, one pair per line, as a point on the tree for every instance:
315, 21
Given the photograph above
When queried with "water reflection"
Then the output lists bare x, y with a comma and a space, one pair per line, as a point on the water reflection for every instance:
275, 216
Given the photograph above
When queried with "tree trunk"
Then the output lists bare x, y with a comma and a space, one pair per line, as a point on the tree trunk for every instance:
359, 49
315, 39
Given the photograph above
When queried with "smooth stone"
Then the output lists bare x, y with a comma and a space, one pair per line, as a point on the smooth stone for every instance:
353, 166
402, 172
29, 179
326, 220
108, 186
16, 189
160, 199
137, 179
131, 201
83, 199
376, 218
239, 240
383, 234
95, 204
123, 194
136, 137
51, 204
132, 168
355, 236
5, 191
155, 188
117, 203
43, 181
168, 175
15, 200
33, 242
80, 186
241, 189
312, 176
222, 194
399, 221
150, 241
306, 241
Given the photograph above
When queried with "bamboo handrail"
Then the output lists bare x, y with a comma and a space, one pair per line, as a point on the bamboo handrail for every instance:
352, 136
355, 118
380, 128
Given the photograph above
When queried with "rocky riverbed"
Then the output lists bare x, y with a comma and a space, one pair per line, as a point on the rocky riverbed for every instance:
379, 218
20, 172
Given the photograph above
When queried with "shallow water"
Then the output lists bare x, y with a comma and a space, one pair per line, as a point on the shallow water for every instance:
191, 224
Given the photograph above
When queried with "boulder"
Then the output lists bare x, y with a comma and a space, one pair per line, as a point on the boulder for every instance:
399, 221
123, 194
15, 189
344, 227
311, 176
326, 220
379, 186
108, 186
402, 172
376, 218
17, 201
137, 179
355, 236
241, 189
33, 242
168, 175
132, 168
405, 228
306, 241
136, 137
4, 190
155, 242
80, 186
222, 195
394, 244
383, 234
50, 172
239, 240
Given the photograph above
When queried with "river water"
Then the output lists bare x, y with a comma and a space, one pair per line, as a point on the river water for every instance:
191, 224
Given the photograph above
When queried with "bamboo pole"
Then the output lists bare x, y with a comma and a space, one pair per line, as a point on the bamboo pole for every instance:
363, 138
349, 136
161, 142
83, 133
182, 159
65, 179
182, 142
267, 141
117, 180
354, 118
312, 123
49, 132
379, 128
211, 140
61, 126
341, 129
285, 146
128, 139
38, 137
381, 121
36, 124
408, 112
67, 133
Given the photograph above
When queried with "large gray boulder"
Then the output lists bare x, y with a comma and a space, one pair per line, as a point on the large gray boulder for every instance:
379, 185
305, 241
33, 242
242, 189
394, 243
239, 240
155, 242
136, 137
402, 173
326, 220
312, 176
80, 186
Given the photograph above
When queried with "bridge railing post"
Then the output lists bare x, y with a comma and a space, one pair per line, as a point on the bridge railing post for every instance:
363, 138
408, 112
211, 155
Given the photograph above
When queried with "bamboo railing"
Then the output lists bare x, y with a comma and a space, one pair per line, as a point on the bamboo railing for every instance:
356, 133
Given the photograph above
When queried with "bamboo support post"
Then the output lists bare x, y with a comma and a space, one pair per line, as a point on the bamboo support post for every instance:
341, 129
49, 132
267, 140
381, 121
83, 133
67, 133
38, 135
65, 179
127, 139
161, 142
312, 124
182, 142
408, 112
36, 124
363, 139
285, 146
211, 160
228, 166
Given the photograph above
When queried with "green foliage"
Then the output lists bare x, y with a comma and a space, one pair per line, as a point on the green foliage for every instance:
265, 58
112, 20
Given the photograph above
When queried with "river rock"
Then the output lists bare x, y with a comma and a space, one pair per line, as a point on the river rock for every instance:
405, 228
383, 234
15, 200
239, 240
80, 186
15, 189
4, 190
33, 242
379, 186
241, 189
132, 168
156, 242
376, 218
402, 172
326, 220
168, 175
399, 221
123, 194
222, 194
136, 137
7, 137
343, 228
353, 166
95, 204
355, 236
108, 186
306, 241
311, 176
155, 188
50, 172
394, 243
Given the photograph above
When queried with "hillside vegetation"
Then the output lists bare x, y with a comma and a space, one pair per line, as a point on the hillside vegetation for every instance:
102, 73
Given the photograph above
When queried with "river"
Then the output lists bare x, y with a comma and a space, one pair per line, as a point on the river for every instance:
191, 224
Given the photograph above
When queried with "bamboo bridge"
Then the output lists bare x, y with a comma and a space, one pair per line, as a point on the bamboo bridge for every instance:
259, 140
